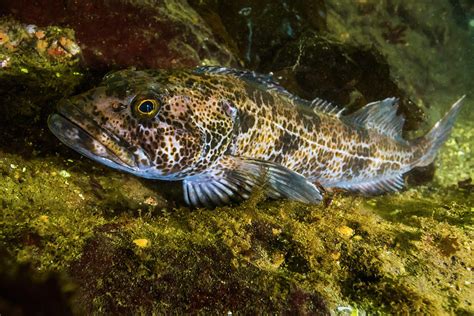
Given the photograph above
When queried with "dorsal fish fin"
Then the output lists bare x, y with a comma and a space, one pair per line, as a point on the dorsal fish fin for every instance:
266, 82
380, 116
320, 105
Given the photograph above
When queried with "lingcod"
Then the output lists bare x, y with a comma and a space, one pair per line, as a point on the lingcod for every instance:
226, 133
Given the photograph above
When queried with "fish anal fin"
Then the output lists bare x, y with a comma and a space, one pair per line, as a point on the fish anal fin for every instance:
380, 116
386, 184
235, 178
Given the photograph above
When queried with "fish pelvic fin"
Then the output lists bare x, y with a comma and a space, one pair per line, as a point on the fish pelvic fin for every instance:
235, 179
435, 138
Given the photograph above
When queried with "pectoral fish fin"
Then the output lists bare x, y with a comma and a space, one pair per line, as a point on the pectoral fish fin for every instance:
235, 178
386, 184
380, 116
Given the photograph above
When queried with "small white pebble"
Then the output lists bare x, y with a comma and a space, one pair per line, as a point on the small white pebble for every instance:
5, 63
344, 309
31, 29
64, 174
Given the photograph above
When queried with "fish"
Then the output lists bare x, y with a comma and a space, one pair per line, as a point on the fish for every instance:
228, 132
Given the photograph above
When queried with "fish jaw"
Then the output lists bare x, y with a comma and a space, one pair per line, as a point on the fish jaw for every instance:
76, 130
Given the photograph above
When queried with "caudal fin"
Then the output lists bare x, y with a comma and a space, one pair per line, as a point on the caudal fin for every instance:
431, 142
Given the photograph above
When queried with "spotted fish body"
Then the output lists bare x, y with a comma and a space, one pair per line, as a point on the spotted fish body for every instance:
224, 132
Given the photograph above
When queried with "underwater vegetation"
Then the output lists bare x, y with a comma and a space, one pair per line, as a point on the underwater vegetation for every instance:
79, 238
394, 34
152, 34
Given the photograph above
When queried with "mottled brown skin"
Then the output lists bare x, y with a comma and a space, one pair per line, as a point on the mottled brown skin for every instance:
206, 117
192, 129
319, 146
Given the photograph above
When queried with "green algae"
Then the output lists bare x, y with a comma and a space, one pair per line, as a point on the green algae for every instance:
455, 161
403, 252
431, 58
38, 66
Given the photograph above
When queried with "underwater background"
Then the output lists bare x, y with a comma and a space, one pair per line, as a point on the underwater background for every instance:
79, 238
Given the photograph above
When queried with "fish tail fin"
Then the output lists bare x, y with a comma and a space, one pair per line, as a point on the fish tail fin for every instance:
435, 138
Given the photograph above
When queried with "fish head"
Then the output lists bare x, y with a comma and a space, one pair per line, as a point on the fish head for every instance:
153, 124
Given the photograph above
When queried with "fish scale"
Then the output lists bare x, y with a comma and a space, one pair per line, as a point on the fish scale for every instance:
226, 132
326, 138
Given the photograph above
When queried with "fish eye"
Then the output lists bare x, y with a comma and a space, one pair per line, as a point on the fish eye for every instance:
146, 108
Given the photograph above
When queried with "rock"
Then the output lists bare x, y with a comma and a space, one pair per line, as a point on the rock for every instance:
38, 66
427, 45
145, 34
181, 273
255, 30
24, 292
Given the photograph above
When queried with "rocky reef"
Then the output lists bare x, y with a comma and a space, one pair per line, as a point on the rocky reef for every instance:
78, 238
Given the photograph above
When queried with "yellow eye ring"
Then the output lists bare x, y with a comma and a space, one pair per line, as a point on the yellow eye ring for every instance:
147, 108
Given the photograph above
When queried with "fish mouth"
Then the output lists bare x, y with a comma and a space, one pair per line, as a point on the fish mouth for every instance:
78, 131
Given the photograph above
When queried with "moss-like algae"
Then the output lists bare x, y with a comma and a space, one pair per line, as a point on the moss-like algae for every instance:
428, 47
403, 252
37, 67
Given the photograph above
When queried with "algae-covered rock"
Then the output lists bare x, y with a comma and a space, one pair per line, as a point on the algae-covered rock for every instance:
255, 30
427, 45
24, 292
455, 163
152, 34
384, 254
198, 271
38, 65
